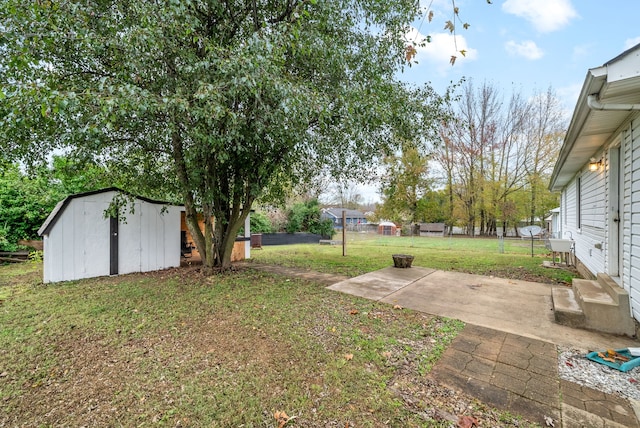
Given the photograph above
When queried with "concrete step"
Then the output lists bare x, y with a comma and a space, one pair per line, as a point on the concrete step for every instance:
589, 291
566, 309
599, 305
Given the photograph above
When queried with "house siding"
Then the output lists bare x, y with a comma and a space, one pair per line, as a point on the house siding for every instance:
569, 196
594, 221
590, 230
596, 200
631, 214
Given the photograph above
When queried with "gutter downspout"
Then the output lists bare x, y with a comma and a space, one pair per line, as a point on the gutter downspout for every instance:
595, 104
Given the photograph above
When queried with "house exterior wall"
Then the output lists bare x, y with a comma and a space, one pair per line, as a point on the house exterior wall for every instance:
598, 209
77, 245
630, 215
583, 217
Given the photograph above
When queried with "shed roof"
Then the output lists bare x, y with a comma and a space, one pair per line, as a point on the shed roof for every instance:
615, 82
60, 206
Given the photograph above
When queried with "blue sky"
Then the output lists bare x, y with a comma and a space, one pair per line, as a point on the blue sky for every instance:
521, 45
525, 44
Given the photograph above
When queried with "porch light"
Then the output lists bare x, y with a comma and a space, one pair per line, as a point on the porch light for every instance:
594, 165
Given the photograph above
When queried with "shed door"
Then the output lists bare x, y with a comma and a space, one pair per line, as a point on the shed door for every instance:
113, 245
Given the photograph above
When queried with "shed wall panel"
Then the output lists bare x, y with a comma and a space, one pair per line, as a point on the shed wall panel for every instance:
77, 244
129, 241
171, 247
93, 239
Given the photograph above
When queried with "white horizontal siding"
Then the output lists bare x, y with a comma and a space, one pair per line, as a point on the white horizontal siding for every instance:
631, 218
591, 232
592, 203
570, 224
625, 208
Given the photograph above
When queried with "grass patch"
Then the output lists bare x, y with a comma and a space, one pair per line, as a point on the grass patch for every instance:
368, 252
180, 349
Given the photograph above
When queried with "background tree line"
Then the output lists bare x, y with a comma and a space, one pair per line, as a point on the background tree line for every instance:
490, 168
28, 196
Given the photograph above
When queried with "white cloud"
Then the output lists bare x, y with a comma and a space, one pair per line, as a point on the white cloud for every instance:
527, 49
545, 15
439, 51
629, 43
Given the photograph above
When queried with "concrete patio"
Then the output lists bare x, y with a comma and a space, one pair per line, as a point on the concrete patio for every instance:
507, 354
512, 306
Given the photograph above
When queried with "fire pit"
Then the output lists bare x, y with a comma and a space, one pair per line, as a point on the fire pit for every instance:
402, 260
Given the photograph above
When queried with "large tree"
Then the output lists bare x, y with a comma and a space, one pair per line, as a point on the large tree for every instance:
215, 102
495, 152
405, 182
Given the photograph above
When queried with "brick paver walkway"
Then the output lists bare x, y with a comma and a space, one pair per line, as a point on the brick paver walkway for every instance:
520, 374
511, 372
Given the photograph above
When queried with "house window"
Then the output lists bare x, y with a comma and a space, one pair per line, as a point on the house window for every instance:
578, 203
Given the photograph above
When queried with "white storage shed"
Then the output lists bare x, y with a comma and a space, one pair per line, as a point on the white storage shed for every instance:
80, 242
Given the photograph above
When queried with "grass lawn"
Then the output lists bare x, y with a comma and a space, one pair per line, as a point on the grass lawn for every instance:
369, 252
175, 348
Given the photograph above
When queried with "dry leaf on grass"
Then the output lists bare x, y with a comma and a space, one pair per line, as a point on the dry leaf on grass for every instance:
549, 421
353, 312
467, 422
397, 307
282, 418
348, 357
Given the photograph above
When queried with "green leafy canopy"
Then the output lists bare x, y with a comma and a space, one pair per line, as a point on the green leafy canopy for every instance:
213, 103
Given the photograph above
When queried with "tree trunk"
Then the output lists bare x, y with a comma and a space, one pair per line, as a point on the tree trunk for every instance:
227, 238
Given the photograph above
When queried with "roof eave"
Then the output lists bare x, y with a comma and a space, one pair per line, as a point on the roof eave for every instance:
593, 83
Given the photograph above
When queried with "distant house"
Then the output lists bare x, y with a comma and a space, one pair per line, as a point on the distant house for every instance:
553, 223
353, 217
598, 175
80, 242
